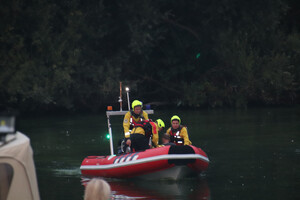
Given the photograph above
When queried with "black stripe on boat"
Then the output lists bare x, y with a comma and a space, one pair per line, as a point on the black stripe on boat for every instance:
185, 149
122, 157
134, 156
117, 158
127, 156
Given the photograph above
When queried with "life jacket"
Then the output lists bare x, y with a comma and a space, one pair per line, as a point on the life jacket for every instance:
146, 125
175, 136
133, 123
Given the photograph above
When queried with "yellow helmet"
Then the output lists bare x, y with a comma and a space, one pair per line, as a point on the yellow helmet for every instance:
136, 103
175, 117
160, 123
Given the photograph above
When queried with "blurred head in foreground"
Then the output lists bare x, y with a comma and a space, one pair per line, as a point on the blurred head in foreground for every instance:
97, 189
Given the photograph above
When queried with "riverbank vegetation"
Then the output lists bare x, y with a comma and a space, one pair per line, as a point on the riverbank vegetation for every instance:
71, 55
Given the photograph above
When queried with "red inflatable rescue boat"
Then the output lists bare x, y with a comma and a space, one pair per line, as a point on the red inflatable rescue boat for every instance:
168, 162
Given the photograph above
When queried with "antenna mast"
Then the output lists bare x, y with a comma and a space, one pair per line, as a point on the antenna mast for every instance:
120, 97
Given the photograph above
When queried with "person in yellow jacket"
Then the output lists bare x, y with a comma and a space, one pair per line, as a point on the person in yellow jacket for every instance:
144, 134
178, 133
133, 117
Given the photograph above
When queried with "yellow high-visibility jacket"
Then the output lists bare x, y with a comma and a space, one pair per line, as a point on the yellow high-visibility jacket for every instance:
126, 122
140, 130
183, 134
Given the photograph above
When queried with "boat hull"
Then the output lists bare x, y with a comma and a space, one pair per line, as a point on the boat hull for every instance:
169, 162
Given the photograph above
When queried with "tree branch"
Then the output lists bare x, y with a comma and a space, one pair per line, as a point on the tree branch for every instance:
182, 27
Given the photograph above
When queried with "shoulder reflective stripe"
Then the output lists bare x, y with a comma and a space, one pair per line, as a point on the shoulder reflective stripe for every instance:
145, 160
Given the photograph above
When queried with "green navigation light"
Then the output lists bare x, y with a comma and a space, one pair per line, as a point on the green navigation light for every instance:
198, 55
107, 136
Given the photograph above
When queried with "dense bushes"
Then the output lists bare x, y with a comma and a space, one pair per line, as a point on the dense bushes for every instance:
72, 54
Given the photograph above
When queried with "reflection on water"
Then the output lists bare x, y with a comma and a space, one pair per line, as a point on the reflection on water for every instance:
254, 154
67, 172
194, 188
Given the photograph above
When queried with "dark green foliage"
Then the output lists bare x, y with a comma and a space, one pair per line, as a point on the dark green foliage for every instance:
72, 54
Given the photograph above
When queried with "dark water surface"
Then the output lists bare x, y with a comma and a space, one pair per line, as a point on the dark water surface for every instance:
254, 153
